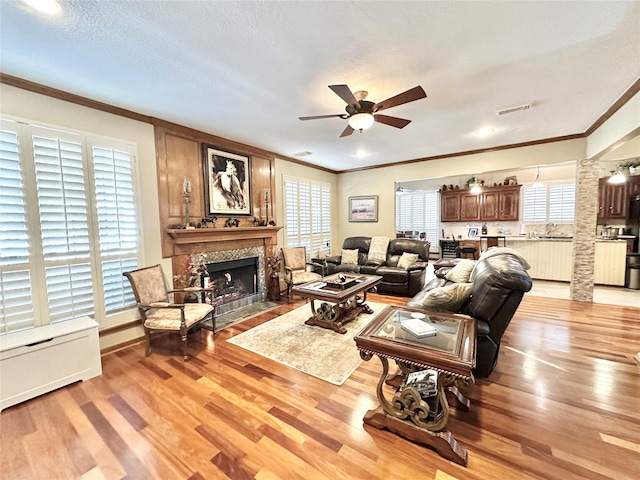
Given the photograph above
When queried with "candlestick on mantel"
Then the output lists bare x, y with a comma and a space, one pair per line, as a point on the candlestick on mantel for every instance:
186, 186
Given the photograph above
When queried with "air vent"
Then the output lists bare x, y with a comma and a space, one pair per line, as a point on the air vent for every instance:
504, 111
302, 154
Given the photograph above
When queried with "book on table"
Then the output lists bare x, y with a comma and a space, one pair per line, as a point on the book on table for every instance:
419, 328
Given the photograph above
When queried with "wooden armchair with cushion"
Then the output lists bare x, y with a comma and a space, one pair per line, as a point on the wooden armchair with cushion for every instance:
158, 313
296, 270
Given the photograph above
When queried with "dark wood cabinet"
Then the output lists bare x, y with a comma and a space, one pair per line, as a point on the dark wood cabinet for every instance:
450, 206
494, 204
509, 204
634, 185
613, 200
470, 207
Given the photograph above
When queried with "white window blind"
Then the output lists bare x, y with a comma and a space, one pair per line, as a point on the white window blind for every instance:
307, 214
16, 303
69, 217
117, 221
562, 203
534, 204
554, 202
418, 211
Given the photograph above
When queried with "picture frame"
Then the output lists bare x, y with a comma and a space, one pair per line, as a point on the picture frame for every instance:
363, 209
227, 182
473, 233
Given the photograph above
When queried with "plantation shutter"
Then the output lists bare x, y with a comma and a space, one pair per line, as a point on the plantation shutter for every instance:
417, 211
534, 204
16, 302
64, 224
549, 203
68, 226
117, 223
562, 203
308, 214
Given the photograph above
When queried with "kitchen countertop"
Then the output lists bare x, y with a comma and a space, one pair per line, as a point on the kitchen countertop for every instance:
559, 238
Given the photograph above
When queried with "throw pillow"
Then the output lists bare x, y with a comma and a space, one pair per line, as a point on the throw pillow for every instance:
378, 250
407, 259
461, 272
449, 298
349, 257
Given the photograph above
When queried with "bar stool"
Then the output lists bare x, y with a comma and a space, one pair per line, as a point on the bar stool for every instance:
464, 252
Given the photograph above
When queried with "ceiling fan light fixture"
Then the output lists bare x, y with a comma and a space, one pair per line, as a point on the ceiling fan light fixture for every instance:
361, 121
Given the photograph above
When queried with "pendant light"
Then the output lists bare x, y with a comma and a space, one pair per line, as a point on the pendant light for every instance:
537, 183
617, 178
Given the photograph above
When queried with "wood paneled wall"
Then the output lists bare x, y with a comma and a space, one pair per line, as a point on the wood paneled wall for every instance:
179, 157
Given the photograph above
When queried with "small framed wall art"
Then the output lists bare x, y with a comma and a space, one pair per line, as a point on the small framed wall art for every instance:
227, 180
363, 209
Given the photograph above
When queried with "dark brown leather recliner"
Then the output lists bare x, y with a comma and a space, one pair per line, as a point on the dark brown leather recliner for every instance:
395, 280
499, 283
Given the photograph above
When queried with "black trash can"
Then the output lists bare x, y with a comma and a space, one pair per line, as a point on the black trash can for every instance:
632, 274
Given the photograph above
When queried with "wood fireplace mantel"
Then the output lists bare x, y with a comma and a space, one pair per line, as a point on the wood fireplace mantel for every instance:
186, 241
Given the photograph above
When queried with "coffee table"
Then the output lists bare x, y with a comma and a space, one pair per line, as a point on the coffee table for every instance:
450, 354
342, 301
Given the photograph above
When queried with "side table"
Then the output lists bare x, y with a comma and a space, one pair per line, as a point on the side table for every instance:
450, 353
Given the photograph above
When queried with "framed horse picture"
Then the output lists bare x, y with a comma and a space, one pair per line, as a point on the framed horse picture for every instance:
227, 180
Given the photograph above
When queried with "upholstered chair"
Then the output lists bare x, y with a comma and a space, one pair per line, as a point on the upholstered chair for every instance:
159, 314
296, 268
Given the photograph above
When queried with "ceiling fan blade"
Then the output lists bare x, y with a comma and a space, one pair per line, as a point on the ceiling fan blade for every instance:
345, 94
393, 121
314, 117
416, 93
347, 131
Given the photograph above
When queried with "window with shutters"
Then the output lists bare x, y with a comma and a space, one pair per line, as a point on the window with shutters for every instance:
419, 211
68, 225
553, 202
307, 209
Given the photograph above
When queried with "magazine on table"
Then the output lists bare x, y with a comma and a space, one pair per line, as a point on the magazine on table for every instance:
419, 328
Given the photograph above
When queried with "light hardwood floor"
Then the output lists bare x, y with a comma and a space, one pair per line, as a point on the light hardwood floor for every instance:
563, 403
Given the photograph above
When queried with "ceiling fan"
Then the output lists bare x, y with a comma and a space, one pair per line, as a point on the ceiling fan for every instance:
362, 113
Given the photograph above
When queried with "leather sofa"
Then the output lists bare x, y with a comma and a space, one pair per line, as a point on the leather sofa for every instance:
499, 281
395, 280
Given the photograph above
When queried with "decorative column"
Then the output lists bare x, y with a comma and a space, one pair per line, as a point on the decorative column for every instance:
584, 237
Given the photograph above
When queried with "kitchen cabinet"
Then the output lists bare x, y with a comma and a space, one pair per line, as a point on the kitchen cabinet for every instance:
634, 185
450, 206
552, 259
612, 200
470, 207
493, 204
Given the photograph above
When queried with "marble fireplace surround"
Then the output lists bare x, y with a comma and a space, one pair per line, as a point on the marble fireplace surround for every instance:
223, 244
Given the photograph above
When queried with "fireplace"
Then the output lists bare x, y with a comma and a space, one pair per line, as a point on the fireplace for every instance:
234, 283
237, 277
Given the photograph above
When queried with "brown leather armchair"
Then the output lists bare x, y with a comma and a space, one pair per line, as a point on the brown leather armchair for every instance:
500, 280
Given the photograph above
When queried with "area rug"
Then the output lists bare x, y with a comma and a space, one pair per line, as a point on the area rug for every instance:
316, 351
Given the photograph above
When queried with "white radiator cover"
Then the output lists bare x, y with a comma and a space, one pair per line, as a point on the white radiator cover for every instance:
37, 361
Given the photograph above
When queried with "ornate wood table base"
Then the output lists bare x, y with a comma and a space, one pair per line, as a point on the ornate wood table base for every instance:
419, 409
442, 441
334, 316
339, 305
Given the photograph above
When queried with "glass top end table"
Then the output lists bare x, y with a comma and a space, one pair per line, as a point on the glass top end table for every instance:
439, 346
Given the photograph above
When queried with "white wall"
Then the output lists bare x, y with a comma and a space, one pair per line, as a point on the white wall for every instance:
44, 110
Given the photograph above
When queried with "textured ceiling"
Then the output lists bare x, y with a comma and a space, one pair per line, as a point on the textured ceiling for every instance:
247, 70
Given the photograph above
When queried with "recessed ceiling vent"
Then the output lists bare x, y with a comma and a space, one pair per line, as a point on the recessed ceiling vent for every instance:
504, 111
302, 154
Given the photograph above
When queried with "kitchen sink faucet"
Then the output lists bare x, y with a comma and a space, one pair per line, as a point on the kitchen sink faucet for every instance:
548, 228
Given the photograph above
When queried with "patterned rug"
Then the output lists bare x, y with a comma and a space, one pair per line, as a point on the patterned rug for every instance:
316, 351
